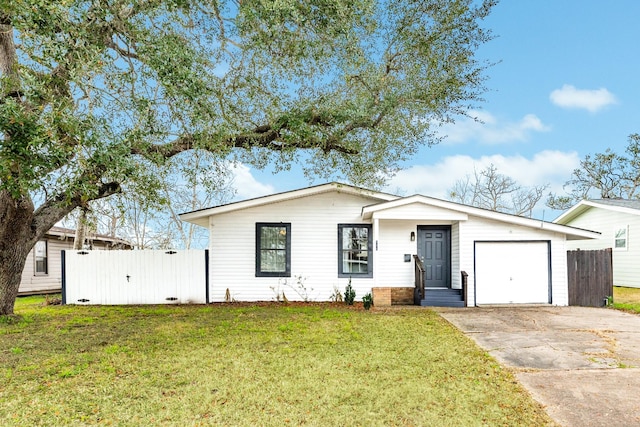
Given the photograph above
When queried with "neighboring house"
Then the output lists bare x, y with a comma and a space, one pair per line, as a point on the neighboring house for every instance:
308, 243
618, 221
42, 271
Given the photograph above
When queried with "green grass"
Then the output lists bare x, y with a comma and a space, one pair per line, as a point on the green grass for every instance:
237, 365
627, 299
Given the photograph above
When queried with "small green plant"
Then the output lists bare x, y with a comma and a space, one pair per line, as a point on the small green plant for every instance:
608, 301
367, 301
349, 293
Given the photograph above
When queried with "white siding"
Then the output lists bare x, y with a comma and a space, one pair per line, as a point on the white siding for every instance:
50, 282
422, 212
479, 229
394, 243
314, 249
456, 279
626, 263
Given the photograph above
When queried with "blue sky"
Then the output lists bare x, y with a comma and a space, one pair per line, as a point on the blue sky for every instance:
566, 86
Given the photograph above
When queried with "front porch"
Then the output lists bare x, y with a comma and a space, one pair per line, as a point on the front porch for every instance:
437, 297
421, 295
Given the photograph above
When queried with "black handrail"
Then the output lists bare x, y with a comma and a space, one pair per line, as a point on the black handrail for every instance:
464, 286
418, 293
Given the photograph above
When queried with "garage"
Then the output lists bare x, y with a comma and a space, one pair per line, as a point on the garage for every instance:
509, 272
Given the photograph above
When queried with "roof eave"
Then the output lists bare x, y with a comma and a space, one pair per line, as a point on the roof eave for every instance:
571, 232
200, 217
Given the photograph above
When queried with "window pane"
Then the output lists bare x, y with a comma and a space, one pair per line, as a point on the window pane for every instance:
41, 249
273, 238
354, 238
355, 261
41, 266
272, 261
620, 240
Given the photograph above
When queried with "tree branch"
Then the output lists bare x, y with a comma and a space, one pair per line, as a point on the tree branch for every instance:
264, 136
108, 41
59, 206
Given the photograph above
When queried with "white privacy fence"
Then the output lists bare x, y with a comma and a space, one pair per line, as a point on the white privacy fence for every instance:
135, 277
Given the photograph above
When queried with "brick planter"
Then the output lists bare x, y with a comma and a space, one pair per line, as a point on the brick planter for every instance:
385, 297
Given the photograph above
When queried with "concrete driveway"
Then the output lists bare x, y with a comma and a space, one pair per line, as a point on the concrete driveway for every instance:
583, 364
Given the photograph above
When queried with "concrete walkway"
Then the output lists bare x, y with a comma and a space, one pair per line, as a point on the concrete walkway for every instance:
582, 363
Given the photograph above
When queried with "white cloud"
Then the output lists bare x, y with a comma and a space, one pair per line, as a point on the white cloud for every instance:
546, 167
489, 130
247, 187
591, 100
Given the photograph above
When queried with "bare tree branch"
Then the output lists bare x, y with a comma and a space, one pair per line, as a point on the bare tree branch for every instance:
491, 190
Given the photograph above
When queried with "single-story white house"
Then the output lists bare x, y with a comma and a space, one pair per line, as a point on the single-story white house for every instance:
618, 222
308, 243
42, 272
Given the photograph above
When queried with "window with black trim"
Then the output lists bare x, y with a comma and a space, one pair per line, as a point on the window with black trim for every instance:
355, 255
40, 254
273, 249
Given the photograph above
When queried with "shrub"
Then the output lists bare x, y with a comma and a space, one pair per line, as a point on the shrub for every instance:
367, 300
349, 294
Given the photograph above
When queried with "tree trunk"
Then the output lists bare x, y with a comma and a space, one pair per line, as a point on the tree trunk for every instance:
20, 228
16, 240
81, 230
16, 232
8, 65
12, 262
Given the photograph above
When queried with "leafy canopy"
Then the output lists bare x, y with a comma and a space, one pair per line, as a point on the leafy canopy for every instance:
603, 175
92, 92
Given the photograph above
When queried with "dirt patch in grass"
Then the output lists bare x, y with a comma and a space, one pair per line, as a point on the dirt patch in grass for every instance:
626, 295
627, 299
250, 364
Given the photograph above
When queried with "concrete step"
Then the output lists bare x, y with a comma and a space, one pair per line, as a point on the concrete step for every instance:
424, 303
442, 298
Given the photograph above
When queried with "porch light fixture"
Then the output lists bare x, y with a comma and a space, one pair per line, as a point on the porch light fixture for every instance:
413, 236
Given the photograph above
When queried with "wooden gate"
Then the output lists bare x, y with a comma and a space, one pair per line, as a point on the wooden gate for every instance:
590, 275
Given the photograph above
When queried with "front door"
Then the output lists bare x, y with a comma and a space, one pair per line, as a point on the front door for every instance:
434, 243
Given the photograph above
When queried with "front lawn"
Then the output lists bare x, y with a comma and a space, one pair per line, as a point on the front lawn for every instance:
626, 299
314, 364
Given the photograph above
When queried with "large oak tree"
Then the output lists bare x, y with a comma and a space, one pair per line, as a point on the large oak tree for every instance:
92, 92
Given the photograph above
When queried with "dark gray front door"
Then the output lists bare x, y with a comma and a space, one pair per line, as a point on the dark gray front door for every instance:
434, 245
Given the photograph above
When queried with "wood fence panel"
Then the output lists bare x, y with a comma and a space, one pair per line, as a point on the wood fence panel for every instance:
590, 276
135, 277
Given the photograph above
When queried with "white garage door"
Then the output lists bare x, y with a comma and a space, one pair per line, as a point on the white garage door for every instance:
512, 272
